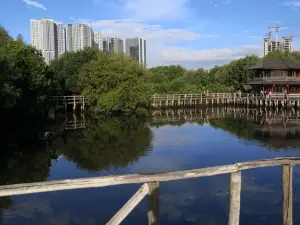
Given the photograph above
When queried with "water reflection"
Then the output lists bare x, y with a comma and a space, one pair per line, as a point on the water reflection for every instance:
26, 153
192, 139
275, 129
107, 142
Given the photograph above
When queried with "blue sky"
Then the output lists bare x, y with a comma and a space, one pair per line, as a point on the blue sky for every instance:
193, 33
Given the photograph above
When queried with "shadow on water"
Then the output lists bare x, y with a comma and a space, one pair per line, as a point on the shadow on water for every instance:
167, 141
105, 143
25, 153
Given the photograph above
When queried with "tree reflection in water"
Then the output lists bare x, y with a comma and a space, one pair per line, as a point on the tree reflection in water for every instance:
274, 129
106, 142
25, 153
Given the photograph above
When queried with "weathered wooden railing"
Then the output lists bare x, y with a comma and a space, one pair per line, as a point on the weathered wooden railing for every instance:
150, 187
245, 99
64, 101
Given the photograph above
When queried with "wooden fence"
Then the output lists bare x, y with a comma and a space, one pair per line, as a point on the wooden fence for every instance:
150, 187
64, 101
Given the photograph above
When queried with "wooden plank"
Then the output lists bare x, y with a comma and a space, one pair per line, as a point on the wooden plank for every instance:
287, 188
235, 198
129, 206
153, 203
18, 189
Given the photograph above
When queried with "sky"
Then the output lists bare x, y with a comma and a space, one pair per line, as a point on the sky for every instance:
191, 33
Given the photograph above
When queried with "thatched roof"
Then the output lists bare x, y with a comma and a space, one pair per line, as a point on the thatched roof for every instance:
276, 64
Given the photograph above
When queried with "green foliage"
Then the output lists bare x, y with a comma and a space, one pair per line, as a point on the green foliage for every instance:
225, 78
25, 78
294, 55
67, 67
115, 82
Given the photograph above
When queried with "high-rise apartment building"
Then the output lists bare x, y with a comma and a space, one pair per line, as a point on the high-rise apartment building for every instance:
59, 39
270, 45
98, 40
136, 48
78, 37
113, 44
47, 35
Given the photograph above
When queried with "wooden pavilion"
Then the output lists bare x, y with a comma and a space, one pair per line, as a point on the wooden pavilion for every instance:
277, 75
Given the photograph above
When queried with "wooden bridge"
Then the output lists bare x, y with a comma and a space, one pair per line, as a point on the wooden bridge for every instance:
150, 187
64, 101
181, 100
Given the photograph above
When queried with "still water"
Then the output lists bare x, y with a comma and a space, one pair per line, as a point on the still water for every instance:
77, 147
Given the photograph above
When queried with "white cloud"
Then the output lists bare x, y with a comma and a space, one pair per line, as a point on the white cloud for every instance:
181, 54
156, 36
161, 49
221, 3
157, 10
293, 4
35, 4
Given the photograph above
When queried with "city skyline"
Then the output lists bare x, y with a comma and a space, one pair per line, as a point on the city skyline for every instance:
187, 32
53, 39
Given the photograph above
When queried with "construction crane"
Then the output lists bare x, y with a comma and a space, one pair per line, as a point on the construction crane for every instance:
269, 34
292, 36
279, 26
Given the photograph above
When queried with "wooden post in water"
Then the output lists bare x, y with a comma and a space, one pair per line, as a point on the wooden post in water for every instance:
235, 198
287, 188
153, 203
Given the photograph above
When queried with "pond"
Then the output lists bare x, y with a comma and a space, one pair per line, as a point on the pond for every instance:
78, 147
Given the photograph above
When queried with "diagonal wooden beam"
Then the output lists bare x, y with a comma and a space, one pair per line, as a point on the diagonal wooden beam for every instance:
129, 206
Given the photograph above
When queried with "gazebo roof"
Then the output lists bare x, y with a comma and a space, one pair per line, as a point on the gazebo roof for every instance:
276, 64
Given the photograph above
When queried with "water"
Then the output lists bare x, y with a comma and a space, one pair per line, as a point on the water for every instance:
79, 147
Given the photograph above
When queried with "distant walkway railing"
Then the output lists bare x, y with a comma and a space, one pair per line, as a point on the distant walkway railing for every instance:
173, 100
244, 99
150, 187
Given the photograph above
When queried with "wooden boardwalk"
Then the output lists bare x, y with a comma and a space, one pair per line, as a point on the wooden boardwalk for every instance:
187, 100
151, 182
64, 101
182, 100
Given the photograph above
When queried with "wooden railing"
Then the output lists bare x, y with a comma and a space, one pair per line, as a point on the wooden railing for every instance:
278, 78
64, 101
150, 187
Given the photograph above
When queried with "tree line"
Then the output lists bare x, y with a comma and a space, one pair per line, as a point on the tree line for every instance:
110, 82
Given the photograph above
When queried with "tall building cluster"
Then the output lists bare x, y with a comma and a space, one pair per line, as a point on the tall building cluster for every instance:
47, 36
271, 45
53, 39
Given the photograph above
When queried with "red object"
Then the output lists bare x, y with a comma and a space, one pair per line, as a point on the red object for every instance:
287, 85
274, 85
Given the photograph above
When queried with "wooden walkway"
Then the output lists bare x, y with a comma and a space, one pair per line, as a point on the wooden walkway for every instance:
151, 182
181, 100
64, 101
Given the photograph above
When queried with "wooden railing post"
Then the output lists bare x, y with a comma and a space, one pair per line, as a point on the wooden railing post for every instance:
235, 198
287, 189
153, 203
